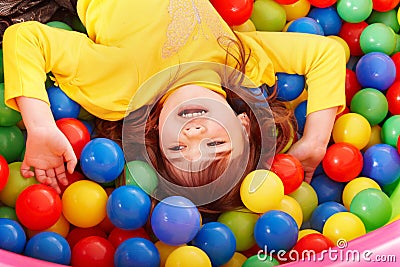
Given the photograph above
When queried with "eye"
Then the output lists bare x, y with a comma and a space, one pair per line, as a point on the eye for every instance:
176, 148
215, 143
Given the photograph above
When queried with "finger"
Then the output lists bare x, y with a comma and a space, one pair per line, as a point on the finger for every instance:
308, 177
26, 170
42, 177
60, 174
71, 160
54, 185
50, 173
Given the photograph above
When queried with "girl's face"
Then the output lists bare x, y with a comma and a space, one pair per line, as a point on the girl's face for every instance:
197, 126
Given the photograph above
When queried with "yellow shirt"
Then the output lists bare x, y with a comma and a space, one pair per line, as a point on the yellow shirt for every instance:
130, 41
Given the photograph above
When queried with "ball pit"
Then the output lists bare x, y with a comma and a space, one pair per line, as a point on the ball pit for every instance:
340, 199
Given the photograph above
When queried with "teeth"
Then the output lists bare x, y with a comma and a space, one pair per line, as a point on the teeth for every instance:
193, 114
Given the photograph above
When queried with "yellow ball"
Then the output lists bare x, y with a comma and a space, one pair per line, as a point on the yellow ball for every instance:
306, 196
61, 227
165, 250
248, 26
375, 137
343, 227
293, 208
237, 260
188, 256
343, 43
297, 10
352, 128
304, 232
261, 191
84, 203
355, 186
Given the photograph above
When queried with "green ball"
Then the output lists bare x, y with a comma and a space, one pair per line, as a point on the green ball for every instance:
373, 207
354, 11
59, 25
371, 104
141, 174
391, 130
388, 18
397, 48
378, 37
259, 261
268, 15
12, 142
8, 213
8, 116
241, 222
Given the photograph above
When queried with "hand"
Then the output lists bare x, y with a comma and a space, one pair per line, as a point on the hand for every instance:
47, 149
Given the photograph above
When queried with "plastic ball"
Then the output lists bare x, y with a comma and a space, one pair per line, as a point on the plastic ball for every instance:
289, 86
352, 85
236, 261
293, 208
306, 196
376, 70
263, 261
12, 236
377, 37
355, 186
391, 130
286, 2
118, 235
71, 178
61, 227
306, 25
393, 98
102, 160
136, 252
78, 233
8, 116
289, 170
382, 164
322, 3
4, 172
371, 104
373, 207
352, 128
93, 251
351, 32
49, 246
15, 185
315, 243
12, 142
165, 250
128, 207
306, 231
385, 5
326, 188
241, 222
188, 256
234, 12
388, 18
342, 162
354, 11
217, 241
323, 212
38, 207
300, 113
261, 190
8, 213
268, 16
140, 173
76, 133
59, 25
343, 227
174, 213
84, 203
61, 105
276, 230
297, 10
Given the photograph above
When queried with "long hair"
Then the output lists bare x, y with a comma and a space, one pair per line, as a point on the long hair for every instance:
262, 131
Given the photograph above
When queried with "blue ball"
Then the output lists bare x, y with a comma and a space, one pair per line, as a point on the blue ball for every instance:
128, 207
300, 113
137, 252
327, 189
217, 241
328, 18
289, 86
276, 231
382, 164
322, 212
49, 246
12, 236
306, 25
376, 70
61, 105
102, 160
175, 220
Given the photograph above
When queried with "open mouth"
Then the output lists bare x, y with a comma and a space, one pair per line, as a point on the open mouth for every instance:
192, 112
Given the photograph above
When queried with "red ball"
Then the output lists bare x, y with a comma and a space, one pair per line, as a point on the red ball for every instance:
393, 98
352, 85
289, 170
384, 5
322, 3
72, 178
234, 12
93, 251
76, 132
106, 225
4, 172
286, 2
312, 242
342, 162
351, 32
38, 207
396, 60
118, 235
398, 144
77, 234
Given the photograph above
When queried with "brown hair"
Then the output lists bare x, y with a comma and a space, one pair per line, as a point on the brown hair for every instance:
262, 131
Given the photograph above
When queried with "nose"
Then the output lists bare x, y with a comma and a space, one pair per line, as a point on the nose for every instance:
194, 130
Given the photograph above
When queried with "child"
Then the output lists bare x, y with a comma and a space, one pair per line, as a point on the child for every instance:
152, 58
